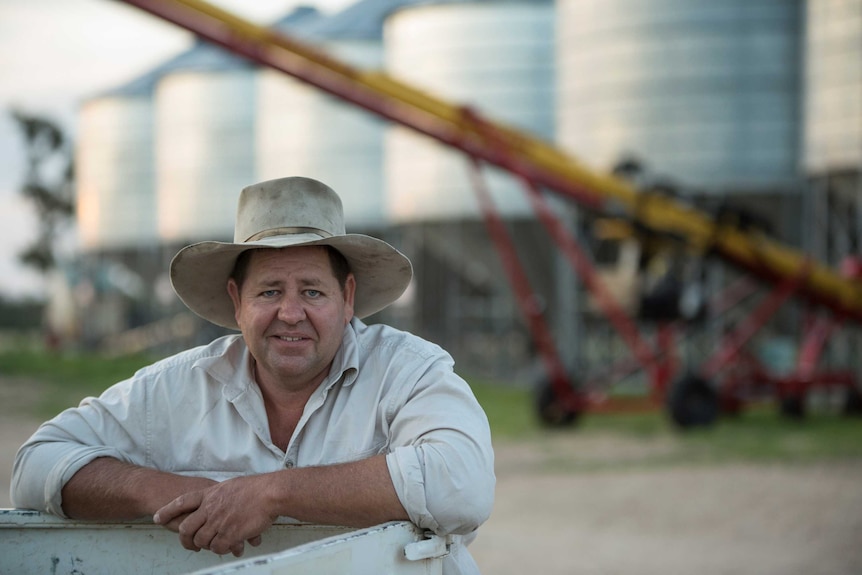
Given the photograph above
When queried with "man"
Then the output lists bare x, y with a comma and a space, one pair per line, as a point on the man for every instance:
309, 413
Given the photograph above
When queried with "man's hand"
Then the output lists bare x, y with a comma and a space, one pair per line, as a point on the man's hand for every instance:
222, 517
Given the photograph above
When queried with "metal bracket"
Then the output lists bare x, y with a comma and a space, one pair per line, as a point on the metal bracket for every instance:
431, 548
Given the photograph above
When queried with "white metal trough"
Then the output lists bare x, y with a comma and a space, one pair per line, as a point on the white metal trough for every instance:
33, 543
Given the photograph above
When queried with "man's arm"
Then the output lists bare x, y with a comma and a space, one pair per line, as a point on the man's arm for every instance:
107, 488
220, 517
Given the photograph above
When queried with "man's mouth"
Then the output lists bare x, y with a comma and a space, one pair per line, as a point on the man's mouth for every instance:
285, 338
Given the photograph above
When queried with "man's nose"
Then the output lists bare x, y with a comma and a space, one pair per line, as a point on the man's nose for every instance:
291, 309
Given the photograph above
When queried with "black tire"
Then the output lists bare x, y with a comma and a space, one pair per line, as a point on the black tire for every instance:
853, 403
551, 410
692, 402
792, 406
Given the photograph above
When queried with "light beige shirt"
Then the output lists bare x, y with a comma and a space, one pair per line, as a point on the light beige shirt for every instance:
201, 413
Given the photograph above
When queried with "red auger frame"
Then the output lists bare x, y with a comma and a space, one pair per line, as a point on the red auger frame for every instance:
730, 378
543, 166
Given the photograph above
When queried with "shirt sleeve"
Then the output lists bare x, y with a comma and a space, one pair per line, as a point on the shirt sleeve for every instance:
441, 459
98, 427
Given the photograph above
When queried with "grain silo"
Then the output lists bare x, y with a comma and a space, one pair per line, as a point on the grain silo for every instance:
303, 131
833, 86
833, 128
833, 146
116, 211
496, 57
205, 139
115, 175
705, 93
704, 96
205, 146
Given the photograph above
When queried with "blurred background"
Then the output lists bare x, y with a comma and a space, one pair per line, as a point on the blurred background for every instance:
124, 138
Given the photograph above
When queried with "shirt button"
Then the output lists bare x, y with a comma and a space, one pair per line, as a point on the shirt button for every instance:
289, 464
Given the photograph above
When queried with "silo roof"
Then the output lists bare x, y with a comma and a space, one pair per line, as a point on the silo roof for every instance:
301, 15
203, 56
360, 21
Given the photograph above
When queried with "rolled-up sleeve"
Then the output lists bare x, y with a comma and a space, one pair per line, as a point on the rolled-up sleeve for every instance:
100, 427
441, 460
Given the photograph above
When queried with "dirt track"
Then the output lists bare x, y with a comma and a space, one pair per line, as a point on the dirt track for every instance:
685, 520
738, 519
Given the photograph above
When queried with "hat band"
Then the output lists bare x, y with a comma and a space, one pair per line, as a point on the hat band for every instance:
285, 232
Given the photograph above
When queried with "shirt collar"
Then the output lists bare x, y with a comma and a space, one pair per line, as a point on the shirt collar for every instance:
345, 364
230, 365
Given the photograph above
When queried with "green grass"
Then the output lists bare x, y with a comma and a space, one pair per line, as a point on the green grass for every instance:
511, 413
66, 378
759, 433
509, 410
762, 433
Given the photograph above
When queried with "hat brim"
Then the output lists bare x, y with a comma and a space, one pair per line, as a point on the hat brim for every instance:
199, 272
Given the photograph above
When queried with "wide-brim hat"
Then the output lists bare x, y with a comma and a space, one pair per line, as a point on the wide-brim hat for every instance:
279, 213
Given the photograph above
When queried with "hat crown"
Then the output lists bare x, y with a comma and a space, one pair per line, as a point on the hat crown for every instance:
288, 205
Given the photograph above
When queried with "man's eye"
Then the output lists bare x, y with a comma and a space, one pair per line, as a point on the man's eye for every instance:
312, 293
269, 293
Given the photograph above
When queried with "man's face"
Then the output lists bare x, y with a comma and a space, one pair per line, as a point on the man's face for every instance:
292, 313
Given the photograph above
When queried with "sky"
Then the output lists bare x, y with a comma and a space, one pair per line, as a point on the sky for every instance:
56, 53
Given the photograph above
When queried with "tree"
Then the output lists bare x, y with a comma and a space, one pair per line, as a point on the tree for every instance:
49, 184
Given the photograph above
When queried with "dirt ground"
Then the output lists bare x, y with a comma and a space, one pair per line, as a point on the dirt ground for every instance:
737, 519
644, 520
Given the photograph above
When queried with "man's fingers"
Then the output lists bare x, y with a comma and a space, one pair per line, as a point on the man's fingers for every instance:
238, 549
189, 533
221, 545
174, 524
203, 539
186, 503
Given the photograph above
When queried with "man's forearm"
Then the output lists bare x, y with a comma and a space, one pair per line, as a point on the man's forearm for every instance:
355, 494
107, 488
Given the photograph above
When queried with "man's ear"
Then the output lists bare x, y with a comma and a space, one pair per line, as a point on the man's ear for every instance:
233, 292
349, 295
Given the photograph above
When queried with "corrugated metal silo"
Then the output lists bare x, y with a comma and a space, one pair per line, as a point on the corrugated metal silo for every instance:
205, 148
833, 134
116, 206
833, 85
704, 92
303, 131
495, 56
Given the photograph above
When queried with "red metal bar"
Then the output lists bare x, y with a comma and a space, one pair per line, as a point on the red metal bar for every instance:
811, 349
806, 376
744, 381
525, 297
665, 345
582, 264
732, 295
666, 368
578, 259
734, 341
